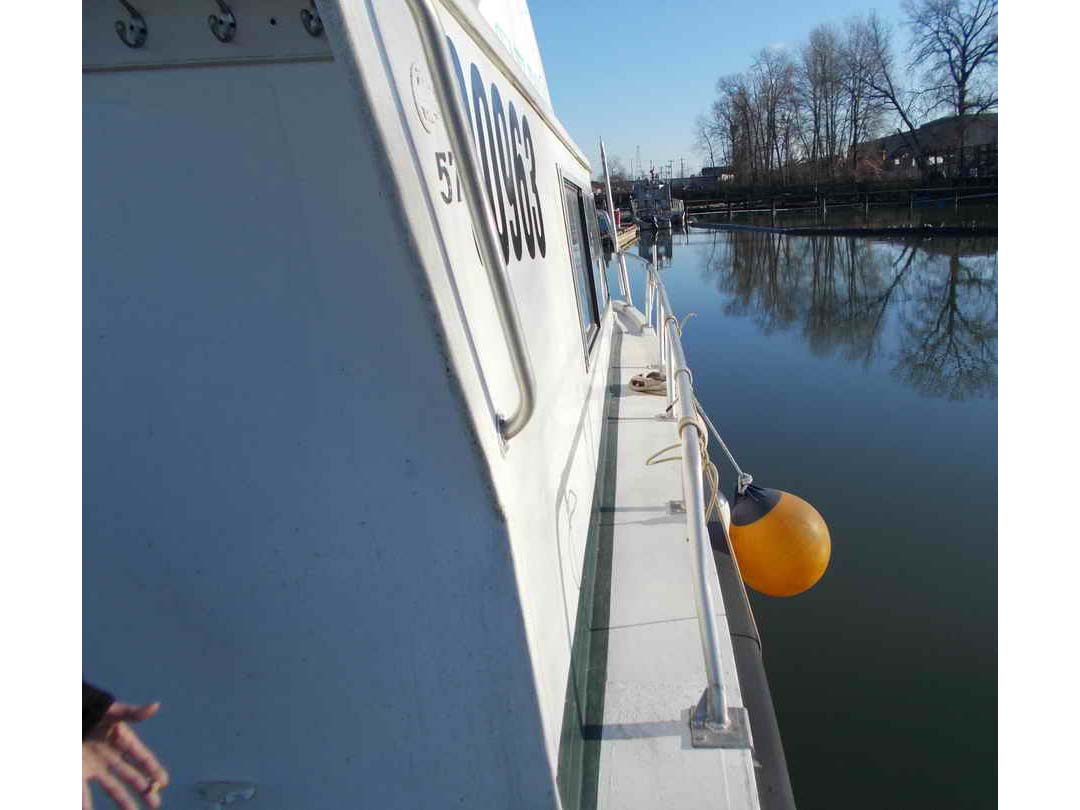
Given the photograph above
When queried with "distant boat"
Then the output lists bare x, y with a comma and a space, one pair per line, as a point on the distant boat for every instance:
653, 205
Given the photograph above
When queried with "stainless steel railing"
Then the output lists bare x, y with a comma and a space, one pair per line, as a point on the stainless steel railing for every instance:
713, 723
441, 68
624, 277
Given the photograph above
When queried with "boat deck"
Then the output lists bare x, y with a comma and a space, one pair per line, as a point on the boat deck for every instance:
655, 671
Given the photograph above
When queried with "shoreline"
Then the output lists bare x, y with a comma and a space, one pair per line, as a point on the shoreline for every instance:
852, 230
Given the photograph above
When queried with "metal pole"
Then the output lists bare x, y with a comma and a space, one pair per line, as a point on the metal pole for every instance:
670, 321
650, 295
661, 314
701, 559
624, 276
441, 67
713, 723
701, 554
624, 279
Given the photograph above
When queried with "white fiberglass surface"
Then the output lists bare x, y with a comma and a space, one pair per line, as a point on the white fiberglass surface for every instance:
289, 536
552, 462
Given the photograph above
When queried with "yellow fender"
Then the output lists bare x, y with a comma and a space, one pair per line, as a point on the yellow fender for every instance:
780, 541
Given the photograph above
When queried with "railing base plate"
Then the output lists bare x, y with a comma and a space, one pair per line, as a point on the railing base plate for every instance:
736, 734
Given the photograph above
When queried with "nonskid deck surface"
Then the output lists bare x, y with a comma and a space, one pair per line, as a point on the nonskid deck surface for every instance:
655, 670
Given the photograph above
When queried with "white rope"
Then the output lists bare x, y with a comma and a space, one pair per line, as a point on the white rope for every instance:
712, 479
654, 458
686, 317
744, 479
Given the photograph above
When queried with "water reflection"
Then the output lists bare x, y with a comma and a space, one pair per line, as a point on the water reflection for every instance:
949, 347
929, 305
664, 242
829, 363
940, 213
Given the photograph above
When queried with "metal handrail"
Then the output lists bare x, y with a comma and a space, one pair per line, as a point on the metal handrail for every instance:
441, 68
624, 276
713, 723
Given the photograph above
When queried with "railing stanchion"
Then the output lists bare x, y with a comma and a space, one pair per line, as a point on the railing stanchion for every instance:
624, 276
649, 294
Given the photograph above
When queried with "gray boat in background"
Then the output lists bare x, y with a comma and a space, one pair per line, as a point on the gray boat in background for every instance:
653, 206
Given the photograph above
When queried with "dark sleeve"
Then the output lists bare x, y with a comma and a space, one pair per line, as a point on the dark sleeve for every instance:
94, 705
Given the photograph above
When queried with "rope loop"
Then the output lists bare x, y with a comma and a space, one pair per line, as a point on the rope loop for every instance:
745, 480
696, 422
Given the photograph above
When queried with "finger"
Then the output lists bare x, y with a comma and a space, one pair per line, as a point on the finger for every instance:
128, 743
130, 712
116, 792
143, 784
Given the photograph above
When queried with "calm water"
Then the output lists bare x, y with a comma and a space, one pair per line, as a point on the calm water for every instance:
862, 374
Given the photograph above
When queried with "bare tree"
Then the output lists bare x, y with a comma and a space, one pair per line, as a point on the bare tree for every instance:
883, 84
784, 117
757, 117
617, 169
862, 109
735, 110
706, 138
956, 46
774, 74
820, 93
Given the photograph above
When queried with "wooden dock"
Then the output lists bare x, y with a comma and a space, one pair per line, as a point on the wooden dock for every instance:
788, 202
628, 234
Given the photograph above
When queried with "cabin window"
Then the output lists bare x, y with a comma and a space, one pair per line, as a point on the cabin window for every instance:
597, 252
581, 263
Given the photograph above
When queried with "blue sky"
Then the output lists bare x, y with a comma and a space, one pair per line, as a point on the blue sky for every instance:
664, 60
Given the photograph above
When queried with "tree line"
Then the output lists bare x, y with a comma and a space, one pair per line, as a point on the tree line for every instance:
799, 115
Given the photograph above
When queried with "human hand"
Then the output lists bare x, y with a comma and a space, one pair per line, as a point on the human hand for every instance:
113, 755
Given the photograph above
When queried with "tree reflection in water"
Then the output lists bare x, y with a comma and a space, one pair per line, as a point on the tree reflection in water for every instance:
949, 343
936, 299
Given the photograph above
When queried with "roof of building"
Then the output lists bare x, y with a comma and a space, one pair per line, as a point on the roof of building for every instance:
943, 133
